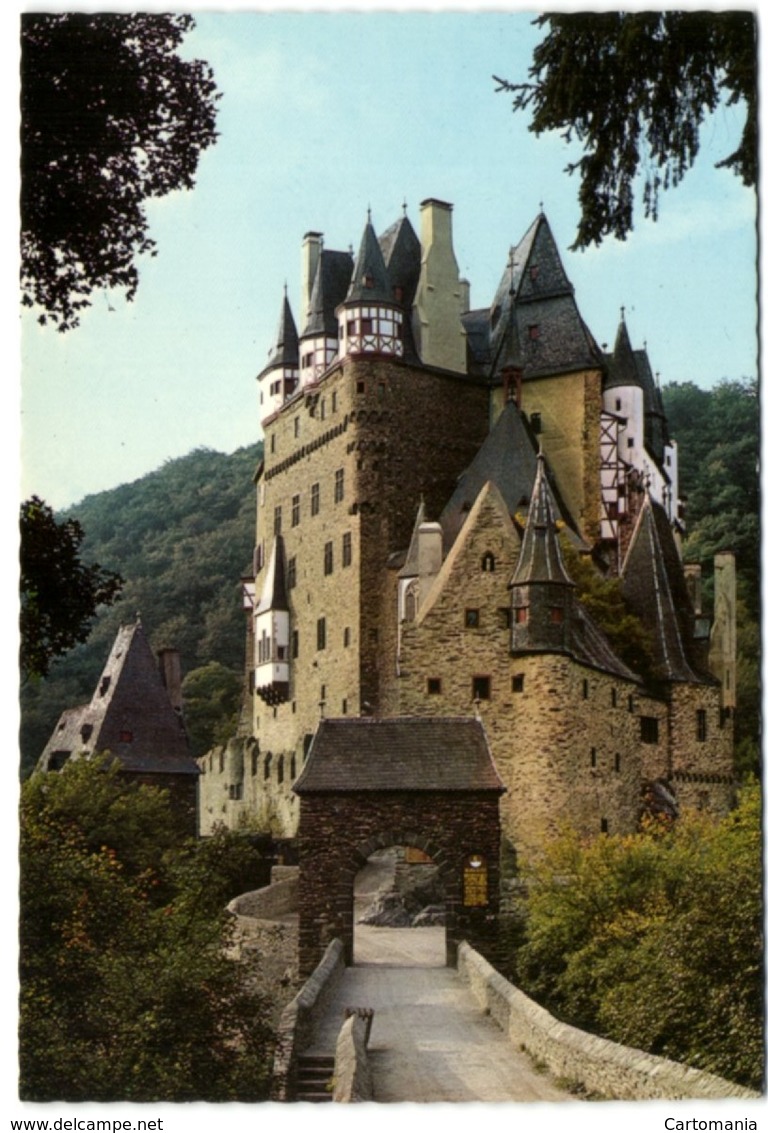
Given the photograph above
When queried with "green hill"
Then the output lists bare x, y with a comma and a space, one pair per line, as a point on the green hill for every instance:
181, 537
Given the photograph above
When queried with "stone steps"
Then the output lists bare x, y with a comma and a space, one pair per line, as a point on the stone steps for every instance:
313, 1077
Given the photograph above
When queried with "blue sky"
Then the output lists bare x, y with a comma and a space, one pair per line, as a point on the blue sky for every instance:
323, 115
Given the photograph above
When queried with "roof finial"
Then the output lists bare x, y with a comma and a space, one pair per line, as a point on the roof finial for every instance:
405, 206
622, 309
369, 214
541, 207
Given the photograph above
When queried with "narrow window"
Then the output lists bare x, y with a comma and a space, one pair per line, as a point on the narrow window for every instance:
328, 558
617, 762
649, 730
472, 619
614, 698
277, 524
338, 486
481, 688
556, 615
505, 617
344, 706
701, 724
333, 402
295, 643
585, 689
290, 572
630, 442
254, 762
434, 686
267, 764
321, 633
518, 682
593, 757
347, 636
280, 769
603, 825
488, 562
314, 499
535, 422
346, 549
295, 511
296, 420
618, 403
521, 615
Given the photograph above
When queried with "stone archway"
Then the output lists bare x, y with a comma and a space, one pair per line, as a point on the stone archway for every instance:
370, 784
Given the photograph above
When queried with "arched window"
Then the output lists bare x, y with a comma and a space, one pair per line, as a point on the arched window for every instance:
488, 561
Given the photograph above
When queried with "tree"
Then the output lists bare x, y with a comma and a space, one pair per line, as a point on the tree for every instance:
110, 116
634, 88
212, 696
655, 939
59, 593
129, 991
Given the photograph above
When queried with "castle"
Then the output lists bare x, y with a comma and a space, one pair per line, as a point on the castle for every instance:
426, 465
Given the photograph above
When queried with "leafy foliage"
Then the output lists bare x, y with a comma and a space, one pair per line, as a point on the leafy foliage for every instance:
127, 990
655, 939
634, 88
59, 593
181, 537
212, 696
110, 116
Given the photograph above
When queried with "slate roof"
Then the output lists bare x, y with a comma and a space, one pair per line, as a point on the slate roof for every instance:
399, 754
590, 646
410, 567
274, 593
653, 583
535, 291
285, 350
129, 700
329, 287
370, 281
541, 559
507, 458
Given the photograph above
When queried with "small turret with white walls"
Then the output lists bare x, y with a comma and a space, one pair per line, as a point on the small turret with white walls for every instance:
370, 320
271, 631
280, 377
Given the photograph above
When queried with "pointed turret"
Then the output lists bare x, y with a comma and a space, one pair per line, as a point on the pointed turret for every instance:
542, 593
319, 343
280, 377
370, 320
271, 628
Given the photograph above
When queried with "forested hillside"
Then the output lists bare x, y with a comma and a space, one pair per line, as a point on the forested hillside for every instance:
181, 537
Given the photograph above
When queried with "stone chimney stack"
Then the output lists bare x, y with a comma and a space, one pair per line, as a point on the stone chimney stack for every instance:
169, 664
693, 582
438, 331
722, 645
310, 258
465, 287
430, 557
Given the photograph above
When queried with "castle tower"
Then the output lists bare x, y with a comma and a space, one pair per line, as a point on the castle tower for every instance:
280, 377
437, 327
542, 593
271, 630
722, 650
370, 322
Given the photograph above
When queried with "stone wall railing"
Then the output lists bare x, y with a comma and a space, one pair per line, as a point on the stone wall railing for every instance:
295, 1030
271, 902
353, 1080
600, 1067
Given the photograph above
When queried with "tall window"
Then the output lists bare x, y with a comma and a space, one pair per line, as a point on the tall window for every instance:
649, 730
321, 633
488, 562
346, 549
295, 511
701, 724
338, 486
481, 688
314, 499
290, 573
277, 526
328, 558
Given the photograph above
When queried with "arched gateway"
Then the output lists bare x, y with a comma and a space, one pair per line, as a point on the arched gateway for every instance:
417, 781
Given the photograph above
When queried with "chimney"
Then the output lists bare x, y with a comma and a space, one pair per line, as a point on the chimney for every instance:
310, 258
693, 582
438, 331
169, 664
430, 557
464, 286
722, 644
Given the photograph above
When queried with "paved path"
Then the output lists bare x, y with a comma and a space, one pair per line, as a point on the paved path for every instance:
430, 1041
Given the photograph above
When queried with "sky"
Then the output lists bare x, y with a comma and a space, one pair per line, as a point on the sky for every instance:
323, 115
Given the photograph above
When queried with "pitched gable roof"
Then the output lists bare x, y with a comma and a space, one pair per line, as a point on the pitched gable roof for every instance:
653, 583
399, 754
129, 715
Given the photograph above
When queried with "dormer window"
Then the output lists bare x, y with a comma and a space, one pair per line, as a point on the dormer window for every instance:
534, 332
368, 280
534, 271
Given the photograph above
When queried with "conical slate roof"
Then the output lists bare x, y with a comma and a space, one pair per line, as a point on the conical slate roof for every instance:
334, 271
274, 594
622, 364
401, 250
540, 557
285, 349
370, 279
